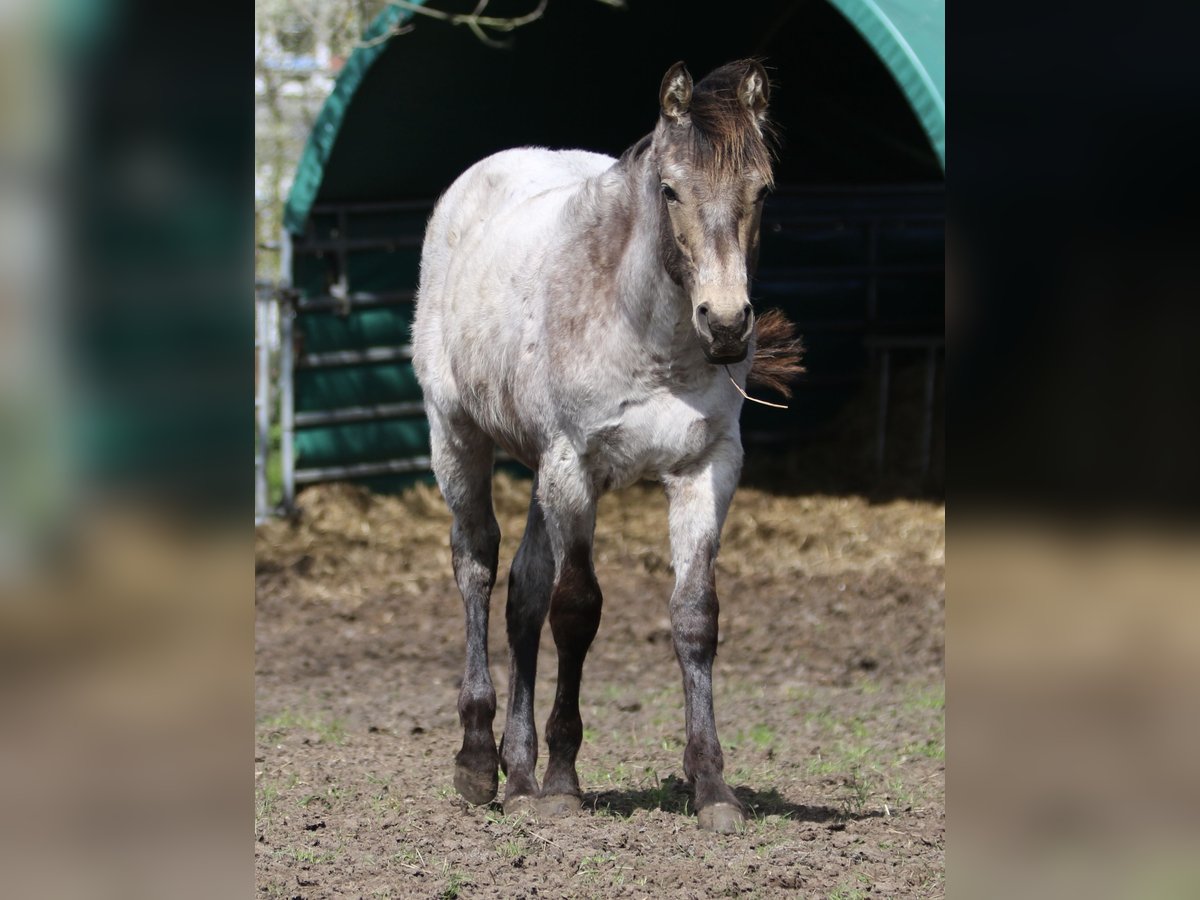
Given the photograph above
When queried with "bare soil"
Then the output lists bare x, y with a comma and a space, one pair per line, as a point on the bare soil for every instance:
829, 691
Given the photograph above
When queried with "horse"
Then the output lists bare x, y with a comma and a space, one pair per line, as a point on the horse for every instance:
591, 317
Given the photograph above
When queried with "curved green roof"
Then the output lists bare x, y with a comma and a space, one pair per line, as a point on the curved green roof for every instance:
324, 133
910, 37
906, 35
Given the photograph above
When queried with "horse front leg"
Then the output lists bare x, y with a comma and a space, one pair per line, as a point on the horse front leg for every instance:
699, 500
575, 603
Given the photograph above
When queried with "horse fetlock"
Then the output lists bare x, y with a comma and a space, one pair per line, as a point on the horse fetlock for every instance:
561, 779
476, 711
703, 761
711, 790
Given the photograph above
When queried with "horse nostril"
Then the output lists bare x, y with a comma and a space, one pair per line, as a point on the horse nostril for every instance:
746, 311
702, 309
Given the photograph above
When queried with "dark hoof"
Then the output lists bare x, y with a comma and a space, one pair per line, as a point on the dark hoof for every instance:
476, 787
554, 805
723, 818
520, 805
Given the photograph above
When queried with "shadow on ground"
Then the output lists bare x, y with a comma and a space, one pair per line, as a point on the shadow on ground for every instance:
675, 796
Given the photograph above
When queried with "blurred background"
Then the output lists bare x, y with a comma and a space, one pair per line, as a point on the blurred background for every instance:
126, 172
146, 177
1073, 623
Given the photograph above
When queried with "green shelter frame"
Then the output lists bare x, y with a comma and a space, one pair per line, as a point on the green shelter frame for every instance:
379, 153
907, 35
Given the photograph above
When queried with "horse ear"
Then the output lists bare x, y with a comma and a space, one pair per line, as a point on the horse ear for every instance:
754, 90
676, 92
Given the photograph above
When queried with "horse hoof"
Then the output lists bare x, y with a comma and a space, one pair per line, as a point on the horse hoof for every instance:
723, 818
555, 805
478, 788
520, 805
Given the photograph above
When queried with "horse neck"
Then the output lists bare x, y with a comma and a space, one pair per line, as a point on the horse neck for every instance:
657, 307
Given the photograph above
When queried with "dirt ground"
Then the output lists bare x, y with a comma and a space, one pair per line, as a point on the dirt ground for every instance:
829, 695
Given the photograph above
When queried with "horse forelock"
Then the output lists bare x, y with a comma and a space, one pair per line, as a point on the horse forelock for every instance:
721, 135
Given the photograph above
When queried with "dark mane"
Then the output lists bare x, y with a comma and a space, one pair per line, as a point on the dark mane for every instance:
637, 150
724, 133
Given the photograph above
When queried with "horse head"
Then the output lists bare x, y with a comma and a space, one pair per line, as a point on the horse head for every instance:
712, 152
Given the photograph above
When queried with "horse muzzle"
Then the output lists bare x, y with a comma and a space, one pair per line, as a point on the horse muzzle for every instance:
724, 339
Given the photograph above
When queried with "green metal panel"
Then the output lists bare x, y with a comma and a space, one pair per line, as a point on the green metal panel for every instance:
371, 271
324, 332
355, 386
336, 445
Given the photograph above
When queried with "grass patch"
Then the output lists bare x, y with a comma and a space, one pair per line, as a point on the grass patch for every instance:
327, 731
265, 799
846, 891
930, 749
512, 849
858, 791
820, 765
331, 796
901, 794
591, 867
931, 698
308, 855
497, 817
456, 880
407, 857
763, 736
619, 776
869, 687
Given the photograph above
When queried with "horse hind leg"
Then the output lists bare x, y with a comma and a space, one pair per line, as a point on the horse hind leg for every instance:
462, 461
529, 586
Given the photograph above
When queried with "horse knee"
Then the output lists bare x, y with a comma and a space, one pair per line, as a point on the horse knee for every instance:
694, 620
530, 581
480, 535
475, 554
575, 605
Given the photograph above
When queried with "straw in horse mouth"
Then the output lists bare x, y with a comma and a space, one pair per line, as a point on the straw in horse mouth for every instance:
733, 381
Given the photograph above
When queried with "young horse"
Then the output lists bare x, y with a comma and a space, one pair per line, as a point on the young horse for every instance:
590, 316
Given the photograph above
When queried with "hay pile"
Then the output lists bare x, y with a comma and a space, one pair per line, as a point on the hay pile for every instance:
400, 543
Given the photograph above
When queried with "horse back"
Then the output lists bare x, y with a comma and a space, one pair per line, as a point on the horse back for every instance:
487, 236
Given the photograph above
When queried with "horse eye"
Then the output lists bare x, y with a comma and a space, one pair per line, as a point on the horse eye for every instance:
762, 195
669, 193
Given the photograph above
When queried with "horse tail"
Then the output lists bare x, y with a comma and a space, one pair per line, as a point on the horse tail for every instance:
777, 353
